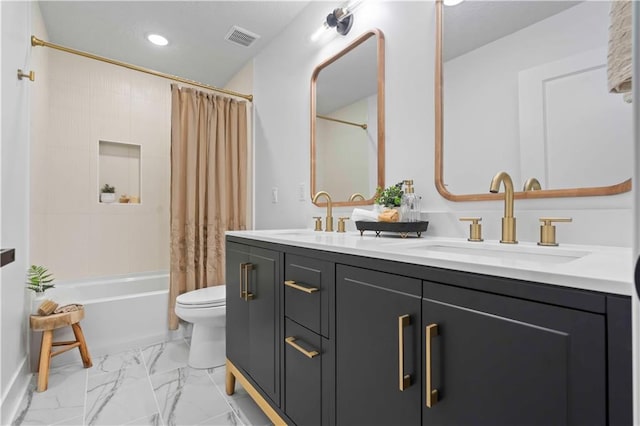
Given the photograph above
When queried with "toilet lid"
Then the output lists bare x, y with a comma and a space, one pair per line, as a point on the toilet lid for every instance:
209, 296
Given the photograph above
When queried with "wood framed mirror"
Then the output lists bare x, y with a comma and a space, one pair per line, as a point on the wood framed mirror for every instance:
347, 122
547, 98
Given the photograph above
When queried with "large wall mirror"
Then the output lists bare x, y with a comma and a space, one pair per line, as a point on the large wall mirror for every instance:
347, 122
521, 87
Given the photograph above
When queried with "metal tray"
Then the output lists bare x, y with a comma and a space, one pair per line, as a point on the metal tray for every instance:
403, 228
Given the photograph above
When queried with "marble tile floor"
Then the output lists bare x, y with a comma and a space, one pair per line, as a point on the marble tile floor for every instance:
146, 386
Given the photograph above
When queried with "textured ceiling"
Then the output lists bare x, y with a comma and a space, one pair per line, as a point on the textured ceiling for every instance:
197, 49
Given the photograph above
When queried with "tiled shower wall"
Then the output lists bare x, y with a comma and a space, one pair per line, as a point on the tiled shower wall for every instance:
84, 102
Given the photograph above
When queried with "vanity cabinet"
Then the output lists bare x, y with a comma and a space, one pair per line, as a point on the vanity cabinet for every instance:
354, 340
503, 361
252, 337
377, 348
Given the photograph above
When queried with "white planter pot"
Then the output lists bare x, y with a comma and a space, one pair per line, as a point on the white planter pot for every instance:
36, 301
106, 197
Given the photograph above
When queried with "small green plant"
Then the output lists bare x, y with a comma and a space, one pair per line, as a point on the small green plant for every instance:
390, 197
39, 279
107, 189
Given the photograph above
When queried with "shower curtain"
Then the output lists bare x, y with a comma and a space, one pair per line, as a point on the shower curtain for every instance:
208, 186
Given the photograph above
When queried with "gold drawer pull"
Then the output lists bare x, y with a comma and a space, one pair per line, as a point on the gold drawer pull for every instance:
292, 341
404, 379
293, 284
432, 394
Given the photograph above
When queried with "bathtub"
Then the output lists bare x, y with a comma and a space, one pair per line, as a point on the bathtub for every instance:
121, 312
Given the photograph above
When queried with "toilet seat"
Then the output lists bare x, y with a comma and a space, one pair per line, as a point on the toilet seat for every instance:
209, 297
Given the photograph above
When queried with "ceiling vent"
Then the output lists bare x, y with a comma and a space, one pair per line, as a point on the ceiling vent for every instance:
241, 36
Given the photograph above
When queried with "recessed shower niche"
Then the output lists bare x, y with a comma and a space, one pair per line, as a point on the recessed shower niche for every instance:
119, 167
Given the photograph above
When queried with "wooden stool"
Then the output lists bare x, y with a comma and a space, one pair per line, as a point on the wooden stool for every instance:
47, 324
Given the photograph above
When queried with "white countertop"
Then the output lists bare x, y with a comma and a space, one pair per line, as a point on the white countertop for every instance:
597, 268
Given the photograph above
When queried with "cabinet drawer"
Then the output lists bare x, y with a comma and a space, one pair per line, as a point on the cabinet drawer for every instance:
303, 361
307, 288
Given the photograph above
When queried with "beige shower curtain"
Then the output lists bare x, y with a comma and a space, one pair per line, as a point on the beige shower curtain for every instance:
208, 186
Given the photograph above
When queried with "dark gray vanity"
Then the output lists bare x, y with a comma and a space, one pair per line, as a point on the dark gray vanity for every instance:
336, 337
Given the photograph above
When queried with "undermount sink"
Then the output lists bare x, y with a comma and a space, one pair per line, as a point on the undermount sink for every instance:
506, 252
291, 232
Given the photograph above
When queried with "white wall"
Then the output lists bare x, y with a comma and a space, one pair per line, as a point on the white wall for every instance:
282, 102
16, 24
282, 132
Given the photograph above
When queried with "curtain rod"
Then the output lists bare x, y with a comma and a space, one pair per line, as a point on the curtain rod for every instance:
324, 117
35, 41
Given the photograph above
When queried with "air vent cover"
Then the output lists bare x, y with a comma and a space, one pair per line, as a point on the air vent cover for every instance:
241, 36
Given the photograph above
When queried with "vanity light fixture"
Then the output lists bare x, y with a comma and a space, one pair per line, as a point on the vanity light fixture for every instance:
342, 19
157, 39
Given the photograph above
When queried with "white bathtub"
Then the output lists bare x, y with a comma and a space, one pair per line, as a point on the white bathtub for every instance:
121, 312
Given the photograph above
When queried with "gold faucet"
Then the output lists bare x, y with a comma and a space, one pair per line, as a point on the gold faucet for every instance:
508, 221
355, 196
329, 219
532, 184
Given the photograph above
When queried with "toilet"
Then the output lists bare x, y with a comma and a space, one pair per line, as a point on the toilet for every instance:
205, 309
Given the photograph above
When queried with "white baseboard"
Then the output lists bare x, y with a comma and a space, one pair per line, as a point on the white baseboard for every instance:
12, 398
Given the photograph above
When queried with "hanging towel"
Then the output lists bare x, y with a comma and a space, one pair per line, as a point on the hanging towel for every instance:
619, 66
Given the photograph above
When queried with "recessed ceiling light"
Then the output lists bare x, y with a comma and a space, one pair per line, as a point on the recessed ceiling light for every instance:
157, 39
452, 2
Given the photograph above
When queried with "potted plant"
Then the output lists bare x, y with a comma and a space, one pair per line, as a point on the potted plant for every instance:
39, 280
390, 197
107, 194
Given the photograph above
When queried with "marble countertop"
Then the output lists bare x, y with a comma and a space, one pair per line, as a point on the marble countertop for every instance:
597, 268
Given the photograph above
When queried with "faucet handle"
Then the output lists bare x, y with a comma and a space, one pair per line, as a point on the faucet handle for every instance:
475, 228
548, 231
341, 220
318, 223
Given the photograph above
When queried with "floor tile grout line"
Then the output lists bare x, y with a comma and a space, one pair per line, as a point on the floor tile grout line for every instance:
86, 397
225, 397
153, 392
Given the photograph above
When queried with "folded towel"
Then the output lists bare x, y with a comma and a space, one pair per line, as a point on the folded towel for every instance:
68, 308
362, 215
390, 215
619, 57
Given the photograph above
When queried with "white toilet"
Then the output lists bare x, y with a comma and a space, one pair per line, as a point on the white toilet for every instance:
205, 309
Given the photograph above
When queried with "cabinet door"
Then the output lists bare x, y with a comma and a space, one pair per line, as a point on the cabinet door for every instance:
263, 283
504, 361
237, 313
373, 344
252, 321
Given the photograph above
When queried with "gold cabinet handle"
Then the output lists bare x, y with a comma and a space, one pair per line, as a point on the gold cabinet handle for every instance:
244, 281
403, 379
292, 341
432, 394
293, 284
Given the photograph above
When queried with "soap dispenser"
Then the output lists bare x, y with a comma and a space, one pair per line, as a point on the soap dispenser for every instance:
409, 207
